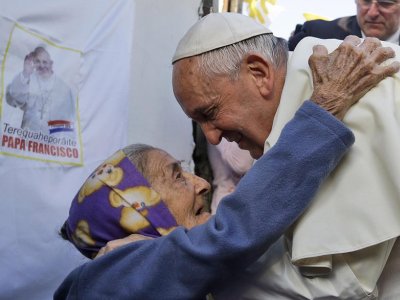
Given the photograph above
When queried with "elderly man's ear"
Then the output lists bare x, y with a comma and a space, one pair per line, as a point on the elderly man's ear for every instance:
262, 73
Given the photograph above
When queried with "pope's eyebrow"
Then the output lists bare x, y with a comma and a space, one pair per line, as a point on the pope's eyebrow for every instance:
199, 112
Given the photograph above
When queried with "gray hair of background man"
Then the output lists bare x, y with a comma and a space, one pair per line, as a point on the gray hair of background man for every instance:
227, 60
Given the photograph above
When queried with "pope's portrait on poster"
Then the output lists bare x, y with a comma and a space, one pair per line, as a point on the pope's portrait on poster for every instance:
40, 99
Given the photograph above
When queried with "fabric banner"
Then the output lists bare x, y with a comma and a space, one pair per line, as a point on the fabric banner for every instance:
39, 97
64, 98
78, 80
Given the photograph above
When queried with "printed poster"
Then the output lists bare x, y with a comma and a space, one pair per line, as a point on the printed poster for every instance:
39, 98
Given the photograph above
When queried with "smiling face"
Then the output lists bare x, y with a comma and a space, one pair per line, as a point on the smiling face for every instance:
376, 21
43, 64
240, 110
182, 192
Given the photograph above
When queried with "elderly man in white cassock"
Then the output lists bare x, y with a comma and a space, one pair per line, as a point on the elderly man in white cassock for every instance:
45, 99
232, 76
340, 246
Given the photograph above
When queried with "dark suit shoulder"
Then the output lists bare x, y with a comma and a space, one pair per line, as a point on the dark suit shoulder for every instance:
335, 29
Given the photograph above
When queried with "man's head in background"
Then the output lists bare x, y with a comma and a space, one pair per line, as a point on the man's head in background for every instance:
378, 18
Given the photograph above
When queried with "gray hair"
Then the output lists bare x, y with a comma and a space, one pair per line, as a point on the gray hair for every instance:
40, 49
138, 154
227, 60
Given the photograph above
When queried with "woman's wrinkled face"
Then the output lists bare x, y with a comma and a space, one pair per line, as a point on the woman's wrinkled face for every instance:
181, 191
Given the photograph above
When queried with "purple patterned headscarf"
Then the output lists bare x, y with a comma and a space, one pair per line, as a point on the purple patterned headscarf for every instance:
115, 201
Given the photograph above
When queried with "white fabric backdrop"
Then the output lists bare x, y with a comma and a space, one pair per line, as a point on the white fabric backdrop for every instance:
158, 26
124, 96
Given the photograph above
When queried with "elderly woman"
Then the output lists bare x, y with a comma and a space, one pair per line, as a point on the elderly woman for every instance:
189, 263
140, 189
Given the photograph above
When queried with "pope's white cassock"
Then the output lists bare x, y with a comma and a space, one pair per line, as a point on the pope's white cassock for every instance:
42, 100
341, 246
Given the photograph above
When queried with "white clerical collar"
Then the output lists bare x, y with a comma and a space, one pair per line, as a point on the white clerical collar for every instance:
394, 38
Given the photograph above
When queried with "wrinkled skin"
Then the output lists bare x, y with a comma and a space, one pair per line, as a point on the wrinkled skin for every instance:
243, 110
182, 192
341, 78
240, 110
111, 245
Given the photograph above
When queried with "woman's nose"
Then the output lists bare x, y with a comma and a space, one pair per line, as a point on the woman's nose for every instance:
201, 185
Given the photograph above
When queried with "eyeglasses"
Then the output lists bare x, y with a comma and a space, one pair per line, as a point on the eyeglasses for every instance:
383, 5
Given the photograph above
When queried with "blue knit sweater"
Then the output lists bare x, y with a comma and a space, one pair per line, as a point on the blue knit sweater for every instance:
188, 264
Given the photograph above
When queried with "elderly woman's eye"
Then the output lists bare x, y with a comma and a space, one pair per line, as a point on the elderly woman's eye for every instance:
179, 176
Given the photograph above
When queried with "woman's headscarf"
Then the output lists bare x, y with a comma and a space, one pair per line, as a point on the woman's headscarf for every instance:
115, 201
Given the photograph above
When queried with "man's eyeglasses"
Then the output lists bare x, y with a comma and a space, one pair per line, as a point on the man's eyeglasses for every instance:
383, 5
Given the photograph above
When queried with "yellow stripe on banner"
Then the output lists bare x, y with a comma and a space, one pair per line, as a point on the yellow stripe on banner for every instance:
47, 41
41, 159
310, 16
260, 16
78, 119
3, 66
255, 12
264, 7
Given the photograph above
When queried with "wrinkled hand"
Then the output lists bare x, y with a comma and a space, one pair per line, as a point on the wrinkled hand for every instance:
112, 245
342, 77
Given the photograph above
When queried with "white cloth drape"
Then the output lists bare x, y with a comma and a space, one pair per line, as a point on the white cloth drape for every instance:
96, 46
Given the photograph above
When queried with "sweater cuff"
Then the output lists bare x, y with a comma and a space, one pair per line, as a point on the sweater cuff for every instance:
326, 119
